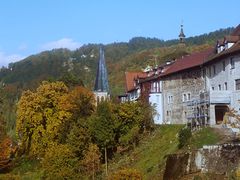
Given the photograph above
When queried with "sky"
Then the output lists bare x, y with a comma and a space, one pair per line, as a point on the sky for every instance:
30, 26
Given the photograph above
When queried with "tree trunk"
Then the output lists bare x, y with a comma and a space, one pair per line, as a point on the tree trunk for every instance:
106, 163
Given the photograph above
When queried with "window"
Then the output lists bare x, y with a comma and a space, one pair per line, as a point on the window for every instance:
213, 88
214, 69
225, 86
210, 73
219, 87
168, 113
232, 62
189, 96
224, 65
237, 84
184, 97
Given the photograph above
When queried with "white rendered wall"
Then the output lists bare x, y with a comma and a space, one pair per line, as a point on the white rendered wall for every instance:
155, 99
231, 96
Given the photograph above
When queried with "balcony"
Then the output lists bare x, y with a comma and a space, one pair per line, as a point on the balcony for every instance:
220, 97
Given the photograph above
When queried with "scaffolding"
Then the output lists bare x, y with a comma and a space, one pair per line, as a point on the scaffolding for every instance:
198, 111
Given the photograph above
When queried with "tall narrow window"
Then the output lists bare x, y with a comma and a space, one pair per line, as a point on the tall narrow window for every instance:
184, 97
210, 72
189, 96
223, 63
237, 84
219, 87
225, 86
232, 62
214, 69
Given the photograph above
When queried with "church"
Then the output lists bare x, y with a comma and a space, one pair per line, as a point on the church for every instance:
101, 88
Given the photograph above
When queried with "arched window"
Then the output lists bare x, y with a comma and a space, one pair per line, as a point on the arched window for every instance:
102, 98
97, 99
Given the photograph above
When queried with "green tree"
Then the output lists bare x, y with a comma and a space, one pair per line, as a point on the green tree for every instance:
41, 118
79, 138
102, 126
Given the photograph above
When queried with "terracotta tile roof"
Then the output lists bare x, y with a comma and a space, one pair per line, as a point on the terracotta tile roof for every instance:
228, 52
189, 61
236, 31
232, 38
130, 78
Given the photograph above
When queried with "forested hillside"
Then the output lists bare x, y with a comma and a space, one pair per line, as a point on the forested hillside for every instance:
79, 67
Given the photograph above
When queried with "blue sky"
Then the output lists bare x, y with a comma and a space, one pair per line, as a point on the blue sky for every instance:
31, 26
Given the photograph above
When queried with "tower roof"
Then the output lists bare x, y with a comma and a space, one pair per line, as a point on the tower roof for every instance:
181, 35
101, 82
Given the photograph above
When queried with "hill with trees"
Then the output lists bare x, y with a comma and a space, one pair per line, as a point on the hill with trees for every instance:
49, 121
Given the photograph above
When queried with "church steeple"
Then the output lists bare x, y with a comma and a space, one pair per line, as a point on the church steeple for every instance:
181, 35
101, 88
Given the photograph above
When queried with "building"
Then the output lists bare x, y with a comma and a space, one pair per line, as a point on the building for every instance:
197, 89
101, 88
152, 90
183, 83
132, 88
223, 77
181, 35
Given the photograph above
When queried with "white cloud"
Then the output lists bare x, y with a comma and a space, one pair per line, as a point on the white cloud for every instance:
5, 59
62, 43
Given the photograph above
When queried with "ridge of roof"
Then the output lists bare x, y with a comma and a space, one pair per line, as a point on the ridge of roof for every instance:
189, 61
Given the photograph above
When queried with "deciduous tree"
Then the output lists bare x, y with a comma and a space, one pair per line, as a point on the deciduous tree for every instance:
91, 160
41, 118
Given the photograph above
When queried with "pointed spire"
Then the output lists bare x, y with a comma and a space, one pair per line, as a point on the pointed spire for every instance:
181, 35
101, 83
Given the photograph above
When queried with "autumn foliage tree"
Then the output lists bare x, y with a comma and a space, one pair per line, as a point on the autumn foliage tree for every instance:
59, 162
91, 161
41, 117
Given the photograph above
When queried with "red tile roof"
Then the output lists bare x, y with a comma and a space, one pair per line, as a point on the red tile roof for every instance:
228, 52
236, 31
232, 38
189, 61
131, 77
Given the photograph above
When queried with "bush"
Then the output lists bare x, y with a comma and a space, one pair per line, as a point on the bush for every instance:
59, 162
126, 174
184, 136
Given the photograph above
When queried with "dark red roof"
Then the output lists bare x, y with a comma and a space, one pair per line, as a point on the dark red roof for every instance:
228, 52
189, 61
131, 77
236, 31
231, 38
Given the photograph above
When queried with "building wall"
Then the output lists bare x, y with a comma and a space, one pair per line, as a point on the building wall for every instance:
178, 90
156, 101
222, 83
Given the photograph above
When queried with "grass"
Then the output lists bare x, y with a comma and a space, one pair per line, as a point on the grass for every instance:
205, 136
150, 156
26, 169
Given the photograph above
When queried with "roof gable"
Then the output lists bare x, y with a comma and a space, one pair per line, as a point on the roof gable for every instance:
131, 77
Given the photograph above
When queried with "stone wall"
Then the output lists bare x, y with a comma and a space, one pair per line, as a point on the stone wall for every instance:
214, 159
174, 87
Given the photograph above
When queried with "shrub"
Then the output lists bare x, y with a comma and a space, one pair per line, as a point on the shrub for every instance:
59, 162
126, 174
184, 136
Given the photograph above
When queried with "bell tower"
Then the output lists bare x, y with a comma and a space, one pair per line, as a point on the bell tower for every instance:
182, 35
101, 88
